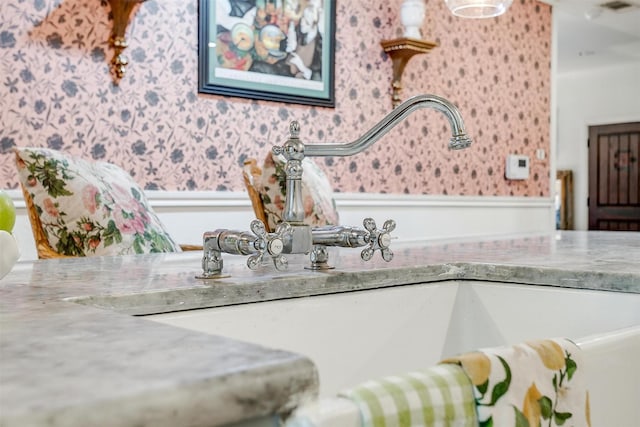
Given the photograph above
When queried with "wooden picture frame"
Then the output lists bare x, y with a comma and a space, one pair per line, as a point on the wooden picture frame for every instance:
265, 49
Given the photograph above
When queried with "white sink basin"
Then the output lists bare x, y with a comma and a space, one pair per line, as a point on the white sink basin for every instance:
357, 336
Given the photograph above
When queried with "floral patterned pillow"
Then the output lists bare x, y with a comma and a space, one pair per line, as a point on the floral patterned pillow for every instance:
90, 208
317, 194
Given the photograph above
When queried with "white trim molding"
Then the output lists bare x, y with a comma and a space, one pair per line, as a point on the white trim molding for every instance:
437, 217
188, 214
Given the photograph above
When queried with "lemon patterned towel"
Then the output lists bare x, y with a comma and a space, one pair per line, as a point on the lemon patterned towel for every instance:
439, 396
537, 383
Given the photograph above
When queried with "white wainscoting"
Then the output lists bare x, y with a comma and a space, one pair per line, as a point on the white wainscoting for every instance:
188, 214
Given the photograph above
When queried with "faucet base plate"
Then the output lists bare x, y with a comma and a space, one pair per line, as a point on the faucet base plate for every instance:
212, 276
319, 267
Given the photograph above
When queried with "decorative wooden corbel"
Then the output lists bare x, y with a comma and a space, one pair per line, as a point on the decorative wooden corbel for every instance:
401, 50
121, 11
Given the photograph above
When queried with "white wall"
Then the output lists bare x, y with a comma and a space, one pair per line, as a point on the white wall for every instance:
188, 214
596, 97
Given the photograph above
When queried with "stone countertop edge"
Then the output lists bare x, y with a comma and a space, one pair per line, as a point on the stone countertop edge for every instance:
65, 364
221, 293
209, 402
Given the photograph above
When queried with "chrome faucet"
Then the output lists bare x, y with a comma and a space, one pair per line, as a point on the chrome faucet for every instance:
292, 236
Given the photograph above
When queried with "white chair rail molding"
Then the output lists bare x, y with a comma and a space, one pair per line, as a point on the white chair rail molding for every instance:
187, 215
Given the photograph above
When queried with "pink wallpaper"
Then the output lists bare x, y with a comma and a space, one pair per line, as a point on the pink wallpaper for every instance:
56, 91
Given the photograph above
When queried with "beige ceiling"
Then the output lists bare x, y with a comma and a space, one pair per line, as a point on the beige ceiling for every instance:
591, 36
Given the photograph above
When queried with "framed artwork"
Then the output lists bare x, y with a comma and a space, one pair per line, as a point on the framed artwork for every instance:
276, 50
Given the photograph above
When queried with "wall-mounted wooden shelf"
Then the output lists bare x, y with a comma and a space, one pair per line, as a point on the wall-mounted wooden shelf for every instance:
401, 50
121, 11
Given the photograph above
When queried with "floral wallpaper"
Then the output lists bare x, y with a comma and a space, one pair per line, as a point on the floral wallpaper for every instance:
56, 91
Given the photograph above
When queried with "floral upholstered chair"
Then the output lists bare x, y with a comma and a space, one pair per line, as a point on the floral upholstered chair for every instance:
266, 187
82, 208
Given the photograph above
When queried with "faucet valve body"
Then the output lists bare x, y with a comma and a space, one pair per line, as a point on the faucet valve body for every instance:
259, 245
351, 237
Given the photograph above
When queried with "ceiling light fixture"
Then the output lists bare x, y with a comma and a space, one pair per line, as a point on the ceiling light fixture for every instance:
616, 5
478, 8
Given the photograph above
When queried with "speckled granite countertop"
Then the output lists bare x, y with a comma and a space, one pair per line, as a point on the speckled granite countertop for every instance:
72, 354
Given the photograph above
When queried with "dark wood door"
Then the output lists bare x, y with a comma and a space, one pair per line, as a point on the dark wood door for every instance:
614, 180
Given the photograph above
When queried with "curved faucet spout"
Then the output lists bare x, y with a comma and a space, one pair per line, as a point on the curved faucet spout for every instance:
294, 150
459, 138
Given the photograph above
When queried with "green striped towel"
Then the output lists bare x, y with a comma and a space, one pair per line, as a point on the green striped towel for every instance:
439, 396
